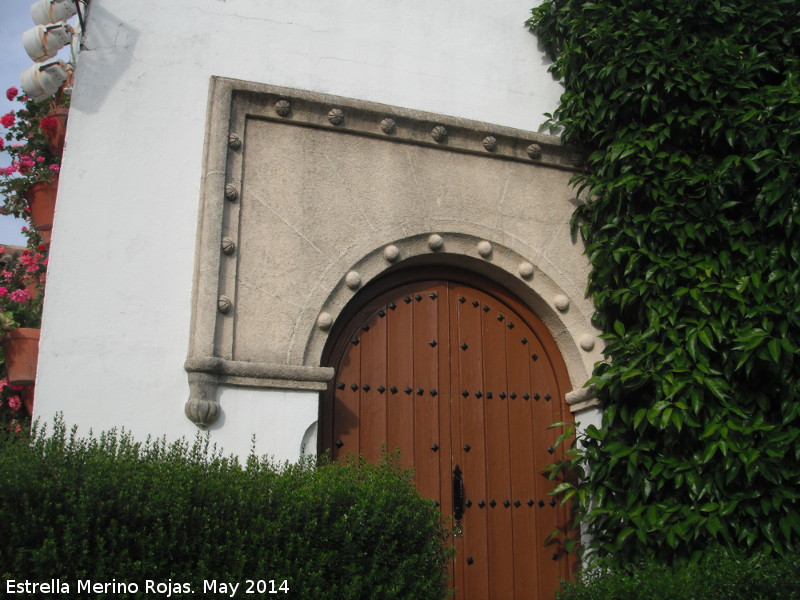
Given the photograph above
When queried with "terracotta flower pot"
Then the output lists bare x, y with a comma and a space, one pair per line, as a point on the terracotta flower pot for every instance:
21, 351
42, 202
36, 284
27, 398
55, 136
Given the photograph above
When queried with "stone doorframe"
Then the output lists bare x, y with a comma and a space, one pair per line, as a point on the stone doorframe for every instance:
306, 198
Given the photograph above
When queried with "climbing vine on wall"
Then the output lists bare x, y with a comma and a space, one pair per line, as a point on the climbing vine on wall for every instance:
689, 116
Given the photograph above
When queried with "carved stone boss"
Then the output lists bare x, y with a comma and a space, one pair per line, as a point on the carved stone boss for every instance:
250, 324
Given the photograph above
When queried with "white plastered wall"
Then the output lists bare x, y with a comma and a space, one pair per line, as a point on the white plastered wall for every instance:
117, 315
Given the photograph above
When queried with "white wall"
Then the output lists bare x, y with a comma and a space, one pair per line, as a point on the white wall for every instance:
116, 322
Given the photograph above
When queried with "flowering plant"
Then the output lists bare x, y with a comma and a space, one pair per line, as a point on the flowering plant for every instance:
22, 278
11, 406
22, 281
25, 142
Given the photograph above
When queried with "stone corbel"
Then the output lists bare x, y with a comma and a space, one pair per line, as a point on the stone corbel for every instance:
207, 373
202, 407
582, 399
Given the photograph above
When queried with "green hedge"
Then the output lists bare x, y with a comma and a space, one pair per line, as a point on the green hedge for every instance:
109, 510
719, 576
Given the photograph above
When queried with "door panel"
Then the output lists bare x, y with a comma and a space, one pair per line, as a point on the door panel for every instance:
460, 373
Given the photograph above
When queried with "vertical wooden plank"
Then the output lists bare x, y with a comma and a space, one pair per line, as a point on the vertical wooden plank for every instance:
443, 398
427, 346
545, 394
372, 421
441, 296
557, 411
473, 461
498, 475
456, 300
400, 375
347, 401
561, 413
526, 552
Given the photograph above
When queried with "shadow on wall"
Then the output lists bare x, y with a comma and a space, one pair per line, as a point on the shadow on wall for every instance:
308, 447
107, 52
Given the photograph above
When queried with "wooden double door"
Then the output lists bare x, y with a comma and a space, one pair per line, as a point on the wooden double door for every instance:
464, 379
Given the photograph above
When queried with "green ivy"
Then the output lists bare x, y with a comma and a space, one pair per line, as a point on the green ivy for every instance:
689, 117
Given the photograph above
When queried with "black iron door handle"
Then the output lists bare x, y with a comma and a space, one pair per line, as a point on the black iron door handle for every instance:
458, 494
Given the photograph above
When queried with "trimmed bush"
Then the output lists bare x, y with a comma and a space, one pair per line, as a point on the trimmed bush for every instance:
112, 511
719, 576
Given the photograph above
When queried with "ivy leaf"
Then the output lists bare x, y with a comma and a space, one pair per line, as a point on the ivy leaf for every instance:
561, 487
718, 387
703, 336
638, 417
774, 347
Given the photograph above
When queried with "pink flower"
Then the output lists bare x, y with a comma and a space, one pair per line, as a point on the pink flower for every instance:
20, 296
40, 159
6, 274
3, 383
3, 291
11, 93
25, 163
7, 120
55, 169
14, 403
2, 143
31, 263
48, 123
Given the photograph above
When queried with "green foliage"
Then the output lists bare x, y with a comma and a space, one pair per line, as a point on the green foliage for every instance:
719, 576
22, 290
689, 116
23, 139
108, 509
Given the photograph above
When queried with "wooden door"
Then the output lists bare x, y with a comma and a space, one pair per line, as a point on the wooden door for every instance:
459, 374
